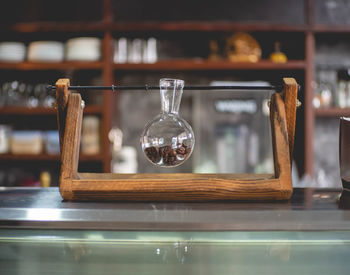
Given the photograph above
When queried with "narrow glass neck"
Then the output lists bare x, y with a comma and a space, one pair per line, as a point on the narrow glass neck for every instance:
170, 95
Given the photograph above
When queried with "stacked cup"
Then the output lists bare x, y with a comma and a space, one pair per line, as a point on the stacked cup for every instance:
12, 51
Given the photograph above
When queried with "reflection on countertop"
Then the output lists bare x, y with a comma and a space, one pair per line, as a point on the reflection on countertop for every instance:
309, 209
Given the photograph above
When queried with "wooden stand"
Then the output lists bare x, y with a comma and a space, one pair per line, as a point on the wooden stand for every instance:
76, 186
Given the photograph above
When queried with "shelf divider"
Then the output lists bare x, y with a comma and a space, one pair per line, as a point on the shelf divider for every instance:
332, 112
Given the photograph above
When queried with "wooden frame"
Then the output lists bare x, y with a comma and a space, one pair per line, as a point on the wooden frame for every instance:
176, 187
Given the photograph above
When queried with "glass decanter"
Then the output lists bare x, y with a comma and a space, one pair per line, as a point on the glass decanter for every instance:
168, 140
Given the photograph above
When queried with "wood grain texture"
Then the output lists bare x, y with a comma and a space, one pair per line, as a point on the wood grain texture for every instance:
71, 145
290, 96
62, 94
175, 187
281, 155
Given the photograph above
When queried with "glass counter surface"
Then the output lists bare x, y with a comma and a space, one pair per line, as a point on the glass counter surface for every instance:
122, 252
40, 234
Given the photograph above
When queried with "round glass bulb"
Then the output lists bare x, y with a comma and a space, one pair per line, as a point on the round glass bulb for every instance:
168, 140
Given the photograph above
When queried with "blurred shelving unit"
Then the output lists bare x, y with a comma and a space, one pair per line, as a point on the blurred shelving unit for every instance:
109, 24
60, 29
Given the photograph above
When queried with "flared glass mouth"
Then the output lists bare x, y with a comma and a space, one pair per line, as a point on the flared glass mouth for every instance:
165, 83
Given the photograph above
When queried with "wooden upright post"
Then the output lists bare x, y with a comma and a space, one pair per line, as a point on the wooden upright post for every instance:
69, 108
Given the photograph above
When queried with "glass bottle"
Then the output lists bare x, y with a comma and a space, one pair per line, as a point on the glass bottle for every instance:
168, 140
277, 56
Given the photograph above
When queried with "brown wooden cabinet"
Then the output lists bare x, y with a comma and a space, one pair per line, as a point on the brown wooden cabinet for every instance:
109, 26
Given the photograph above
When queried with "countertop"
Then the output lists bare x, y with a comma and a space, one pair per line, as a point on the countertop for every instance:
308, 210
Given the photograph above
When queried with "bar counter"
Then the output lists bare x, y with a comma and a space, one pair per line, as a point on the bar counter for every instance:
308, 210
41, 234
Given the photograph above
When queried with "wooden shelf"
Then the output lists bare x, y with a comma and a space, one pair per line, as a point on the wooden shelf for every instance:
207, 26
176, 64
194, 64
14, 110
66, 65
46, 157
332, 112
203, 26
52, 26
331, 29
109, 28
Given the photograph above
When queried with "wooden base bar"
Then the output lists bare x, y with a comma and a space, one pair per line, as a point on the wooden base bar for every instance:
176, 187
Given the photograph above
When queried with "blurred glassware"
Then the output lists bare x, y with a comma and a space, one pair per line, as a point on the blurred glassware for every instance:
323, 96
32, 101
124, 158
46, 51
11, 89
135, 51
326, 157
337, 11
150, 54
326, 95
125, 161
26, 142
52, 143
5, 133
12, 51
48, 97
83, 49
348, 94
326, 87
90, 138
316, 102
115, 136
342, 94
17, 93
3, 96
121, 50
234, 133
40, 93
